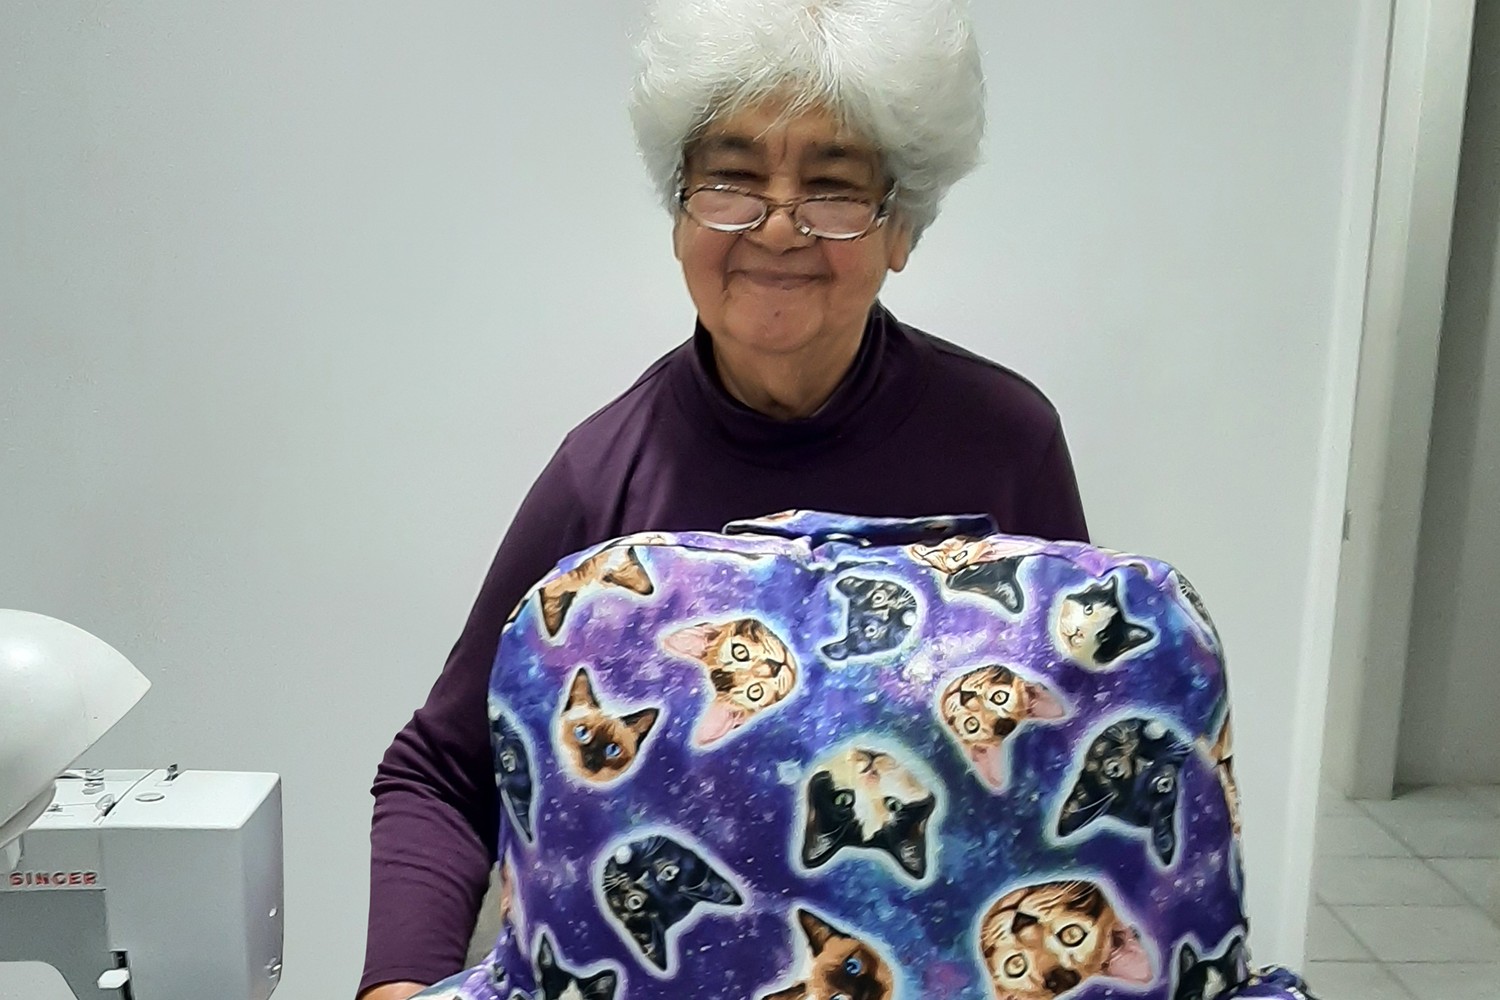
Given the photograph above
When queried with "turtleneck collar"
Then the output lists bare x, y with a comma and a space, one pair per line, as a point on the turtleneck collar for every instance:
875, 394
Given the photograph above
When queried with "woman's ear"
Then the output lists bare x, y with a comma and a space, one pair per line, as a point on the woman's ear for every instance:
899, 249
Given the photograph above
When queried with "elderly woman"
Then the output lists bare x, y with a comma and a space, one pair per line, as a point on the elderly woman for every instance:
802, 148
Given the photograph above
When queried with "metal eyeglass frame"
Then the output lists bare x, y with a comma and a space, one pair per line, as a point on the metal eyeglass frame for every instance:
882, 210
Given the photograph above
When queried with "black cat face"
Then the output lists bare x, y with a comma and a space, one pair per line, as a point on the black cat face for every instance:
1131, 772
513, 776
865, 799
998, 580
557, 983
655, 883
881, 616
1093, 629
1210, 978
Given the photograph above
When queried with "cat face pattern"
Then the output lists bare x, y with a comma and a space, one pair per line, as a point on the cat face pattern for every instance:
613, 566
864, 798
558, 983
1220, 753
652, 885
838, 966
513, 775
600, 746
749, 668
1204, 978
984, 706
979, 566
826, 773
1132, 772
1045, 941
880, 616
1093, 629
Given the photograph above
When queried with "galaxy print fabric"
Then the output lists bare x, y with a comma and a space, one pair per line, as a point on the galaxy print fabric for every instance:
817, 757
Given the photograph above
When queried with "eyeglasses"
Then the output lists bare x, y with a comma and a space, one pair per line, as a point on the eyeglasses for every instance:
728, 209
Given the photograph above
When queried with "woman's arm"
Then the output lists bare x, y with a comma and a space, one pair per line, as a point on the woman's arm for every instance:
432, 838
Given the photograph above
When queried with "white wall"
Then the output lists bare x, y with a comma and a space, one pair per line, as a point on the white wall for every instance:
1452, 695
294, 301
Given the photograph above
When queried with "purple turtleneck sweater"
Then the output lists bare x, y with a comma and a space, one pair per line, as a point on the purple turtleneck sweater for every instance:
917, 426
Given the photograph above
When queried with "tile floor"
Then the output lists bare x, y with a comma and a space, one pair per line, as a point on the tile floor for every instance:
1404, 893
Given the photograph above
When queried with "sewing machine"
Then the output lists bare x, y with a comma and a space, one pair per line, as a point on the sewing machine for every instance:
152, 885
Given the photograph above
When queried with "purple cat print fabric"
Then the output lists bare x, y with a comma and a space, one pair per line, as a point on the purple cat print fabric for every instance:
818, 757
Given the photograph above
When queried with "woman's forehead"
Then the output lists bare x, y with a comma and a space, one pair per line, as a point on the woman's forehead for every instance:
769, 131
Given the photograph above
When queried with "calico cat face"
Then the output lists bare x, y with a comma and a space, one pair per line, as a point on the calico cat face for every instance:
882, 614
1093, 628
513, 776
1220, 754
984, 706
653, 884
1210, 978
862, 798
986, 567
598, 745
1044, 941
748, 665
616, 566
1131, 772
840, 966
951, 554
557, 983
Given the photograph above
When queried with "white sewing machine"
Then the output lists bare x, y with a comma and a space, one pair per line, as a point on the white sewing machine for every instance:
152, 885
134, 885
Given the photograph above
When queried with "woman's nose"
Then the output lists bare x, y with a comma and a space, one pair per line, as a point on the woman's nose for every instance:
780, 232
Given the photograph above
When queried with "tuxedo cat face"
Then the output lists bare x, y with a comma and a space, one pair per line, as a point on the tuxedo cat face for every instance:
984, 706
655, 883
750, 669
558, 983
862, 798
1093, 628
513, 776
881, 615
840, 966
1220, 754
978, 566
1042, 942
1131, 772
599, 746
616, 566
1210, 978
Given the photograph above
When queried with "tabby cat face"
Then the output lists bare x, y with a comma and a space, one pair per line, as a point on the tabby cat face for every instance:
1220, 754
880, 618
558, 983
841, 967
1093, 629
1210, 978
1132, 772
1047, 940
749, 667
984, 706
598, 745
615, 566
862, 798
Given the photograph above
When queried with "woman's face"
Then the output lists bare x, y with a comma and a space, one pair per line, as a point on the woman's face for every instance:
774, 290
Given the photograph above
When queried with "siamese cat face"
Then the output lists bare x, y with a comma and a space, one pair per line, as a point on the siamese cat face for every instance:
750, 668
598, 745
865, 799
1093, 630
1045, 941
984, 706
840, 966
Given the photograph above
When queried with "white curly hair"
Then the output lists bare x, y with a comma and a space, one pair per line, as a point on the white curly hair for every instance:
903, 74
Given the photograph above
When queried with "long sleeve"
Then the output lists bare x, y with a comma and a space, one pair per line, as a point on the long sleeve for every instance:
432, 838
1049, 505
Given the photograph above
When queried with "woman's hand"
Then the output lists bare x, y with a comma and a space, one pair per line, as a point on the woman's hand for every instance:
392, 991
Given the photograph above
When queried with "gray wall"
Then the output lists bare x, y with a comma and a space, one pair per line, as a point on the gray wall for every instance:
1452, 701
296, 299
